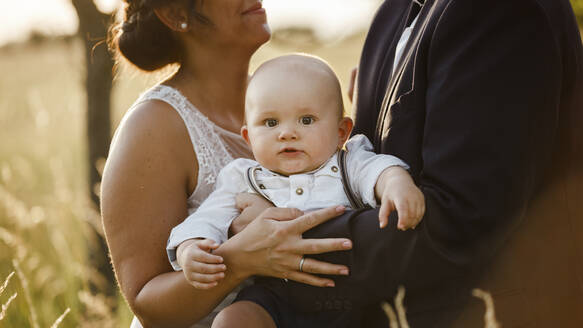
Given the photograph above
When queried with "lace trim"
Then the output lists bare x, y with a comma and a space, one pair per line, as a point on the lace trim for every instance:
211, 153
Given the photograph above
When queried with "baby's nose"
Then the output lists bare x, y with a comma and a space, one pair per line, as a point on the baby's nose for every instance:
287, 133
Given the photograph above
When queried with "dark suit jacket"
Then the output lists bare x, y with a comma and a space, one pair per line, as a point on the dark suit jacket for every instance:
486, 106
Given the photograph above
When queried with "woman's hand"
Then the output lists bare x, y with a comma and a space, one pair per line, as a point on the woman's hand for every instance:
251, 206
272, 245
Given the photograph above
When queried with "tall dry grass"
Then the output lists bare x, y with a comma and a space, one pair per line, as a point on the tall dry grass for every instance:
398, 317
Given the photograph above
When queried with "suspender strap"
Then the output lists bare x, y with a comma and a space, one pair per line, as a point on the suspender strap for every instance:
252, 183
355, 202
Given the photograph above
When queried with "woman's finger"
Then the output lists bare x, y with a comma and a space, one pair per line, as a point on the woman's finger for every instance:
312, 219
281, 213
310, 279
324, 245
319, 267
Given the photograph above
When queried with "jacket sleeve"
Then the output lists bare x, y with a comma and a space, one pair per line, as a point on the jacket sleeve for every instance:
492, 100
492, 105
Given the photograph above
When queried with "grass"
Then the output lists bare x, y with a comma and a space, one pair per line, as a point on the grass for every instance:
45, 216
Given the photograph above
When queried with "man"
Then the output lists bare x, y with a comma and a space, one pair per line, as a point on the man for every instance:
486, 106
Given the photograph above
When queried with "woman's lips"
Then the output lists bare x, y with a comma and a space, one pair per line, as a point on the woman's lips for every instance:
257, 8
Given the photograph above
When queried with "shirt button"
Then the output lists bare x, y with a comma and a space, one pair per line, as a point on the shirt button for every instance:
261, 186
334, 169
300, 191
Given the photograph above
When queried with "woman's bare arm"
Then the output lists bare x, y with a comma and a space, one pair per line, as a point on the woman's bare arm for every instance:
147, 179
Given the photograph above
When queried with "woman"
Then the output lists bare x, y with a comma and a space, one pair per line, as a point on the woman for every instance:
169, 148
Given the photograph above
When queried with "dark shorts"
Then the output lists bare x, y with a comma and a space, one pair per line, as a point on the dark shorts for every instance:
273, 295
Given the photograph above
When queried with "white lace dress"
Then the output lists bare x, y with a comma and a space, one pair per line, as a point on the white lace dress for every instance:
214, 146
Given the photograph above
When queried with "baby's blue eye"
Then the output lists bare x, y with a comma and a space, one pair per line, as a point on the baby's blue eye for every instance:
307, 120
270, 122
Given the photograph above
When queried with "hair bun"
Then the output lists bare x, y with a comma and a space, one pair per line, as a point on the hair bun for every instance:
143, 40
128, 26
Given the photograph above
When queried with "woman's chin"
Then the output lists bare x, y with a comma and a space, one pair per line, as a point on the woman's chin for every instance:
265, 35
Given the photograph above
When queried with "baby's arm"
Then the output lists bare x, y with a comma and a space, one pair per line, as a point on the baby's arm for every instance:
192, 241
201, 269
379, 177
397, 191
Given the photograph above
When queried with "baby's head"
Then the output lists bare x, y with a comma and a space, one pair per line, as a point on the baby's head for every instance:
294, 114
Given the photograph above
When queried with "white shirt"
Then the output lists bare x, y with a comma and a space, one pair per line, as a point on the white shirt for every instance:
305, 191
403, 42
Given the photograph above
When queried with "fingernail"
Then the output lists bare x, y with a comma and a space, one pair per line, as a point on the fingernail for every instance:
340, 209
347, 244
221, 259
344, 271
330, 284
223, 267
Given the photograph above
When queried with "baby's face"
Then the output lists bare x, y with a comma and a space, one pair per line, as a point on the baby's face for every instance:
294, 122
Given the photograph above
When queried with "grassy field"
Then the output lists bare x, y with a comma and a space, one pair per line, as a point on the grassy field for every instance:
45, 217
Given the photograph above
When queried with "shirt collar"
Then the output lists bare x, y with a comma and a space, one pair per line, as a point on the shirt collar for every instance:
330, 168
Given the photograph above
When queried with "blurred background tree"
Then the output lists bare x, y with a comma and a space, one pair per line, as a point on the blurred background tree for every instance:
93, 27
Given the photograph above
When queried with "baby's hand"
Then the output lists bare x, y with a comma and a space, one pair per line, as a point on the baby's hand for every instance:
397, 191
202, 269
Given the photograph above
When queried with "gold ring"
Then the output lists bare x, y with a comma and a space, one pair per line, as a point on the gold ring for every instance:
302, 264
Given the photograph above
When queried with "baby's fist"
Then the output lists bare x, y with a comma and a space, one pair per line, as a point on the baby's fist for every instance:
202, 269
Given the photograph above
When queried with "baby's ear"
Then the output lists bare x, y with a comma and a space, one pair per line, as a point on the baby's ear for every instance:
344, 128
245, 134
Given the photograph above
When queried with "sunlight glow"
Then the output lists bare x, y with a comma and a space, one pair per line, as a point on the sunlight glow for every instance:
330, 19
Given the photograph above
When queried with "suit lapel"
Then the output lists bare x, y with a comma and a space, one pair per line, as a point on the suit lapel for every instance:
408, 54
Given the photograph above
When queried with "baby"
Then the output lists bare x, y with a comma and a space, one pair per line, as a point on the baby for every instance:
295, 128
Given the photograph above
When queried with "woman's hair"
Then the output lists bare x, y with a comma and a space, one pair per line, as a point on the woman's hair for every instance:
143, 39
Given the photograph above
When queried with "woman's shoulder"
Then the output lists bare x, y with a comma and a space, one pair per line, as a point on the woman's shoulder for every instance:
151, 120
151, 131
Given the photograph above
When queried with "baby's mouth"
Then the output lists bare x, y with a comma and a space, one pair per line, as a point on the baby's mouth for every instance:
290, 151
